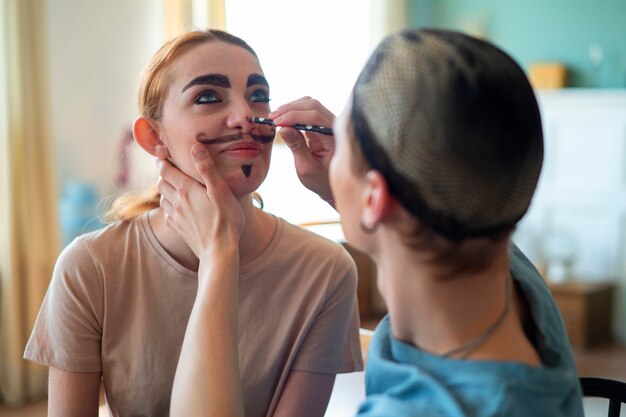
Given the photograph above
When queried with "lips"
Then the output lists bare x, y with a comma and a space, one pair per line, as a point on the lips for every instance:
243, 150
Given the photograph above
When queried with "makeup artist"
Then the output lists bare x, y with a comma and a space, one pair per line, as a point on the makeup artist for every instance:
121, 298
437, 157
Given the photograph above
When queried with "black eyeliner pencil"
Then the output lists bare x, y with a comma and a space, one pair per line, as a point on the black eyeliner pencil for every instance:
307, 128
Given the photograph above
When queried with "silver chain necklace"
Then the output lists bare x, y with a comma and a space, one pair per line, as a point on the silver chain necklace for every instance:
466, 349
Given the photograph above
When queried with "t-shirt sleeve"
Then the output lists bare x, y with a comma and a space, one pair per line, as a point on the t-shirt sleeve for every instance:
68, 330
332, 344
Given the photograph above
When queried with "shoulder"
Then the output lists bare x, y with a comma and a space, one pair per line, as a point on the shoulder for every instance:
326, 263
406, 381
396, 387
109, 242
86, 252
308, 242
301, 237
113, 235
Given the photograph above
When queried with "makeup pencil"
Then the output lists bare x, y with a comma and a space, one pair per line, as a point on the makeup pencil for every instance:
306, 128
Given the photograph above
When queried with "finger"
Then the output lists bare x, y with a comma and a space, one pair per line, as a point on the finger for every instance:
296, 142
319, 145
169, 221
169, 212
206, 168
289, 106
304, 104
166, 189
172, 175
303, 117
167, 206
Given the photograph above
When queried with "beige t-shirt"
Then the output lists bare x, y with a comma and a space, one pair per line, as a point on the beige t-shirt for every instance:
118, 303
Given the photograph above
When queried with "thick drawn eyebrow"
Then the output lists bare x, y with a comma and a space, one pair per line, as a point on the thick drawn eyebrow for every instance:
257, 79
217, 80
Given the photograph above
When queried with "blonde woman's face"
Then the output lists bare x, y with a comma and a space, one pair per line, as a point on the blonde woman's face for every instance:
216, 88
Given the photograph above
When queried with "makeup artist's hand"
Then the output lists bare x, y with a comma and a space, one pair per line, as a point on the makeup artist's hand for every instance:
207, 216
312, 158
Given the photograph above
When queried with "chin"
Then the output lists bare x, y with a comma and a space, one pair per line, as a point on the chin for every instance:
240, 190
241, 185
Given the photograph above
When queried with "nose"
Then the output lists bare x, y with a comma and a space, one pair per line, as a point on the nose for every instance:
239, 116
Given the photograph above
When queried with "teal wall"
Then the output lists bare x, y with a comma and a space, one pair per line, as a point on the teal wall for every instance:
542, 30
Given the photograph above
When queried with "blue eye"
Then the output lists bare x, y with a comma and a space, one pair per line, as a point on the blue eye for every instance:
260, 96
207, 97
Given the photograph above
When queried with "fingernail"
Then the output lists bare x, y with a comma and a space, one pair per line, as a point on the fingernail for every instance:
198, 150
278, 120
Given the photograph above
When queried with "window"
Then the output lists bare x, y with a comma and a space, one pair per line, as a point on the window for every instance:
306, 48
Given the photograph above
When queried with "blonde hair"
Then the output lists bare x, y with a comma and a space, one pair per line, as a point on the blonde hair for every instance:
152, 91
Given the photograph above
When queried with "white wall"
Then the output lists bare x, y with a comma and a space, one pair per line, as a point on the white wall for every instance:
96, 52
580, 203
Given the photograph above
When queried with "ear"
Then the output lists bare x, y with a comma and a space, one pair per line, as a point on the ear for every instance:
146, 133
377, 201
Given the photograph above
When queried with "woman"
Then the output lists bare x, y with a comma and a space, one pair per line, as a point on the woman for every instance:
437, 157
120, 298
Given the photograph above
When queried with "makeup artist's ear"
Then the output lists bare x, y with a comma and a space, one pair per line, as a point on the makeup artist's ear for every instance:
146, 133
376, 199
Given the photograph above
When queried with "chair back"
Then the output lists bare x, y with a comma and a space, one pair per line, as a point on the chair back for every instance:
614, 391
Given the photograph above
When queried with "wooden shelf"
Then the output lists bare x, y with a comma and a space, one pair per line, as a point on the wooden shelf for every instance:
586, 308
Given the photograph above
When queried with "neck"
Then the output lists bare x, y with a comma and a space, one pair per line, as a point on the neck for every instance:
258, 232
439, 309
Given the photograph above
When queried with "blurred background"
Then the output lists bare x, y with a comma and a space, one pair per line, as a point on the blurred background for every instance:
69, 71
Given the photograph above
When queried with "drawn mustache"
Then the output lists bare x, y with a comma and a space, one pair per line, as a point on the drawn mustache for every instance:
201, 137
263, 134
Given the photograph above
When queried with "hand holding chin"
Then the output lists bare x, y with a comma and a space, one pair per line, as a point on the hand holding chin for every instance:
206, 215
